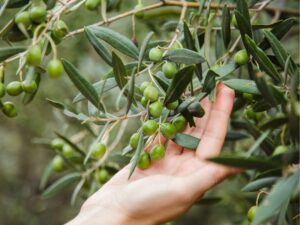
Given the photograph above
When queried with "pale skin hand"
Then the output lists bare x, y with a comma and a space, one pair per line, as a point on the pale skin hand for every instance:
169, 187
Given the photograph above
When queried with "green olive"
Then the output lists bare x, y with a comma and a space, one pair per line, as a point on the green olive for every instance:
251, 213
134, 140
140, 14
102, 176
151, 93
34, 56
150, 127
214, 67
2, 90
144, 161
14, 88
249, 113
260, 116
241, 57
172, 105
92, 4
68, 151
280, 149
57, 144
55, 68
144, 102
23, 18
99, 150
155, 54
169, 69
9, 109
168, 130
176, 45
38, 14
29, 87
59, 29
180, 123
144, 85
155, 109
57, 163
248, 97
157, 152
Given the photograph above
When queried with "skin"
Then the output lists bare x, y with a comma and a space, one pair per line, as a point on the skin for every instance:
180, 178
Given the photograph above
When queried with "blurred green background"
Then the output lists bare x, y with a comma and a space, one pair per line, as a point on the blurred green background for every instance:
22, 161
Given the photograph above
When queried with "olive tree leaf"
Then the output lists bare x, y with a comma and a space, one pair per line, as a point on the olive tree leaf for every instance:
243, 86
116, 40
185, 56
5, 53
119, 71
273, 202
144, 48
262, 59
48, 171
186, 141
163, 83
256, 185
209, 81
235, 135
76, 191
225, 70
226, 21
130, 97
73, 145
137, 154
274, 123
179, 83
242, 8
84, 86
60, 184
56, 104
99, 47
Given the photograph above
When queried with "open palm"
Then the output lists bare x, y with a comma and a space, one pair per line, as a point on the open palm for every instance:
170, 186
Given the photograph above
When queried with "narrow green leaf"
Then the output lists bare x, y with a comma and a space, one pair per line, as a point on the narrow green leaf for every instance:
116, 40
130, 97
259, 183
48, 171
243, 86
186, 141
188, 38
226, 21
258, 142
244, 26
242, 7
56, 104
144, 48
163, 83
76, 191
119, 71
16, 3
84, 86
185, 56
73, 145
5, 53
187, 102
136, 157
276, 199
235, 136
274, 123
99, 48
225, 70
209, 81
60, 184
262, 59
179, 83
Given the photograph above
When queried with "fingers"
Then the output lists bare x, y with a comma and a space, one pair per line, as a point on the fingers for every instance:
213, 136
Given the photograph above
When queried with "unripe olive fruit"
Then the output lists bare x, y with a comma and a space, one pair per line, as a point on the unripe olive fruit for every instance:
155, 109
68, 151
248, 97
155, 54
157, 152
214, 67
150, 127
172, 105
249, 113
169, 69
168, 130
251, 213
92, 4
55, 68
280, 149
14, 88
259, 116
23, 18
57, 163
176, 45
134, 140
60, 29
151, 93
144, 85
144, 161
38, 14
34, 56
180, 123
241, 57
102, 176
2, 90
29, 87
141, 13
9, 109
99, 150
144, 102
57, 144
234, 21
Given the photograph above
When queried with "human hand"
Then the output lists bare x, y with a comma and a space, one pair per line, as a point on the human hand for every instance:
169, 187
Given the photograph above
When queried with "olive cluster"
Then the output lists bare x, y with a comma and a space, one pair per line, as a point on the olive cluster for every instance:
65, 152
